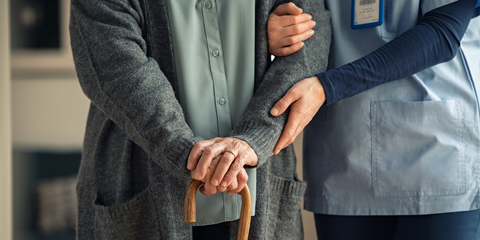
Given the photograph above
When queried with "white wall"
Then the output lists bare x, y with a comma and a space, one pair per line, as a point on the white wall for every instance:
5, 130
48, 114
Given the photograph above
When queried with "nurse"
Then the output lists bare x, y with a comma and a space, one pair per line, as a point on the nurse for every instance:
394, 153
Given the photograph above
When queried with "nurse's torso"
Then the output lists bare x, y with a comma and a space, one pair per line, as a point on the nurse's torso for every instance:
410, 146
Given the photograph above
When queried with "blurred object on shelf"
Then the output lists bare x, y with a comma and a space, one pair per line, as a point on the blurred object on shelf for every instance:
57, 204
44, 193
35, 24
39, 37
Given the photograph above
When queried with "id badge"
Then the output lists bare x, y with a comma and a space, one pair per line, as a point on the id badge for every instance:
367, 13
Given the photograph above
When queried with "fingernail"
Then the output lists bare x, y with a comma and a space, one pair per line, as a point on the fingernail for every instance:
271, 155
224, 184
276, 152
311, 32
314, 23
274, 111
215, 182
309, 17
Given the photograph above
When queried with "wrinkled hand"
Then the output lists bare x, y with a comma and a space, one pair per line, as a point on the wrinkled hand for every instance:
236, 154
236, 186
305, 98
287, 29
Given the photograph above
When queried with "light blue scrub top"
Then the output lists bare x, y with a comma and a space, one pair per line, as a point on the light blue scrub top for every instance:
214, 47
407, 147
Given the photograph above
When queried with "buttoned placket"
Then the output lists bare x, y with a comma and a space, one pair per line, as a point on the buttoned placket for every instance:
217, 67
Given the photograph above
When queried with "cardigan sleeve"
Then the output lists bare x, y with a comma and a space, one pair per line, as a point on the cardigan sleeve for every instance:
120, 79
257, 127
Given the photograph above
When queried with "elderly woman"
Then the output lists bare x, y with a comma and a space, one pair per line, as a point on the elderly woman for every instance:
164, 75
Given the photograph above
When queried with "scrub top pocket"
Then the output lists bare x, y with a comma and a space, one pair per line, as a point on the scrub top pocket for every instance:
417, 148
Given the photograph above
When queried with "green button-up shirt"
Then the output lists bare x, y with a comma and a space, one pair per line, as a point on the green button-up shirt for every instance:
214, 54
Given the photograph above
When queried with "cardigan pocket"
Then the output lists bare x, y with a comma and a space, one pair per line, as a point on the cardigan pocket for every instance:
134, 219
418, 148
284, 208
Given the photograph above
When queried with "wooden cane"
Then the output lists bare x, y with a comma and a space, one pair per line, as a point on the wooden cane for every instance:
190, 208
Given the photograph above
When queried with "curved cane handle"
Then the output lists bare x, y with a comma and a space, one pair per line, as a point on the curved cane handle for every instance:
190, 208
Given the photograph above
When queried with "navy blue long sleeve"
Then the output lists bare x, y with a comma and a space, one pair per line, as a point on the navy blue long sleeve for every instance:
434, 40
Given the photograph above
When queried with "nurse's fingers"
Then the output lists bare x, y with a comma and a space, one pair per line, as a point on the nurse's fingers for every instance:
304, 99
298, 29
294, 39
290, 45
289, 141
288, 36
288, 132
289, 20
290, 97
285, 51
285, 33
287, 9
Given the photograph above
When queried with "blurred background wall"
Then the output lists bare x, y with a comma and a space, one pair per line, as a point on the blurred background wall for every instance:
5, 126
49, 113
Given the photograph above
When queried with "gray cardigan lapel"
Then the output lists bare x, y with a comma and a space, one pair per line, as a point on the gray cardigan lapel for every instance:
159, 39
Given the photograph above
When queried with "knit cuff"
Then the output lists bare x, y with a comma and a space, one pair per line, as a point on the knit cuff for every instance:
173, 156
260, 138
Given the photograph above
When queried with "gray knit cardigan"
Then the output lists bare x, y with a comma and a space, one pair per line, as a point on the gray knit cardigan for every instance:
133, 174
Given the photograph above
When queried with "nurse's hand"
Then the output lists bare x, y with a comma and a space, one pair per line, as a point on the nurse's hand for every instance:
287, 29
236, 154
304, 100
236, 186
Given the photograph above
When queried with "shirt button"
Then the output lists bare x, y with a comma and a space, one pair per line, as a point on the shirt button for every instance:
215, 53
208, 5
222, 101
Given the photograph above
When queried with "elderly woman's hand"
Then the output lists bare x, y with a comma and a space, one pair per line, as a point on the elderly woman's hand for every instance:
236, 185
223, 159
